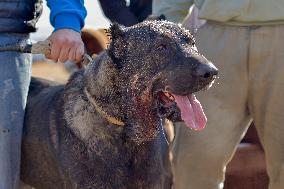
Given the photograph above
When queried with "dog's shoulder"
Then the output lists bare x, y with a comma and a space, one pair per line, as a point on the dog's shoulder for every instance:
38, 84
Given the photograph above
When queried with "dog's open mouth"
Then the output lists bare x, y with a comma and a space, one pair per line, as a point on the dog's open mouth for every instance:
190, 108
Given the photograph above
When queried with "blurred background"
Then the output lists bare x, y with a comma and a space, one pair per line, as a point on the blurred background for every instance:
95, 19
45, 68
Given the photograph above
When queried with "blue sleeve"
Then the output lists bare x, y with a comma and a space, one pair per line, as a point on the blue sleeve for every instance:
67, 14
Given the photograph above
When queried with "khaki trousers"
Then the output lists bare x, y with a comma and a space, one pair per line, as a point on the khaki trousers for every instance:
250, 86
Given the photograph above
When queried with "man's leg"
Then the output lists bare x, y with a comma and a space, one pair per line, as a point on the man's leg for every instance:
200, 157
267, 96
14, 82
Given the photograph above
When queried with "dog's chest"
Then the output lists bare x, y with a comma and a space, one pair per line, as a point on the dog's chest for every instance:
116, 165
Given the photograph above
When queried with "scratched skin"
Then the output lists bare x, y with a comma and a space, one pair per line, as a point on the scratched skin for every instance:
68, 144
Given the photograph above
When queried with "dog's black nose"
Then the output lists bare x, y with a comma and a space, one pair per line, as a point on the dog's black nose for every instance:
206, 71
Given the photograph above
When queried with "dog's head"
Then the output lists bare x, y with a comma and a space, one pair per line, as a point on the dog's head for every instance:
152, 69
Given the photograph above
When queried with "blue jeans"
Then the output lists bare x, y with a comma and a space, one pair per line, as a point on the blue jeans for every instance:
15, 73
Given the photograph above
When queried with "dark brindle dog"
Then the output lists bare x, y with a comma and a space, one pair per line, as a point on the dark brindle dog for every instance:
101, 130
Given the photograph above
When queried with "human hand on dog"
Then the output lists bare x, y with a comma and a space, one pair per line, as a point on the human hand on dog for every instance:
66, 44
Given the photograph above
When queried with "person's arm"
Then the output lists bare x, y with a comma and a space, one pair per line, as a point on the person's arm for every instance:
67, 18
118, 11
174, 10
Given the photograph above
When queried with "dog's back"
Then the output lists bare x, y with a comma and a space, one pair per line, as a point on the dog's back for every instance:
37, 148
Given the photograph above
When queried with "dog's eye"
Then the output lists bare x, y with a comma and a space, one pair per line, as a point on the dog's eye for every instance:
189, 41
161, 47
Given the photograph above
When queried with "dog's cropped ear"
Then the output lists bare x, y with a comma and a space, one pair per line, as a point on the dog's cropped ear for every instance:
155, 17
117, 45
116, 30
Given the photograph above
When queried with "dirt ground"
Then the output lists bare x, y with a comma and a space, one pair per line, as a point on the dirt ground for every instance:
51, 71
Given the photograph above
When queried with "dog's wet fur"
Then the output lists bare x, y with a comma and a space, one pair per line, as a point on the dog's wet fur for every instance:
68, 144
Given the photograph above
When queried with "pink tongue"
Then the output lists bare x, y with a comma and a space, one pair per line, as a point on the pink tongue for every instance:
191, 112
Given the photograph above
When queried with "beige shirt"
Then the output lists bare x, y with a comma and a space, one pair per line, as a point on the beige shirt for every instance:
235, 12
